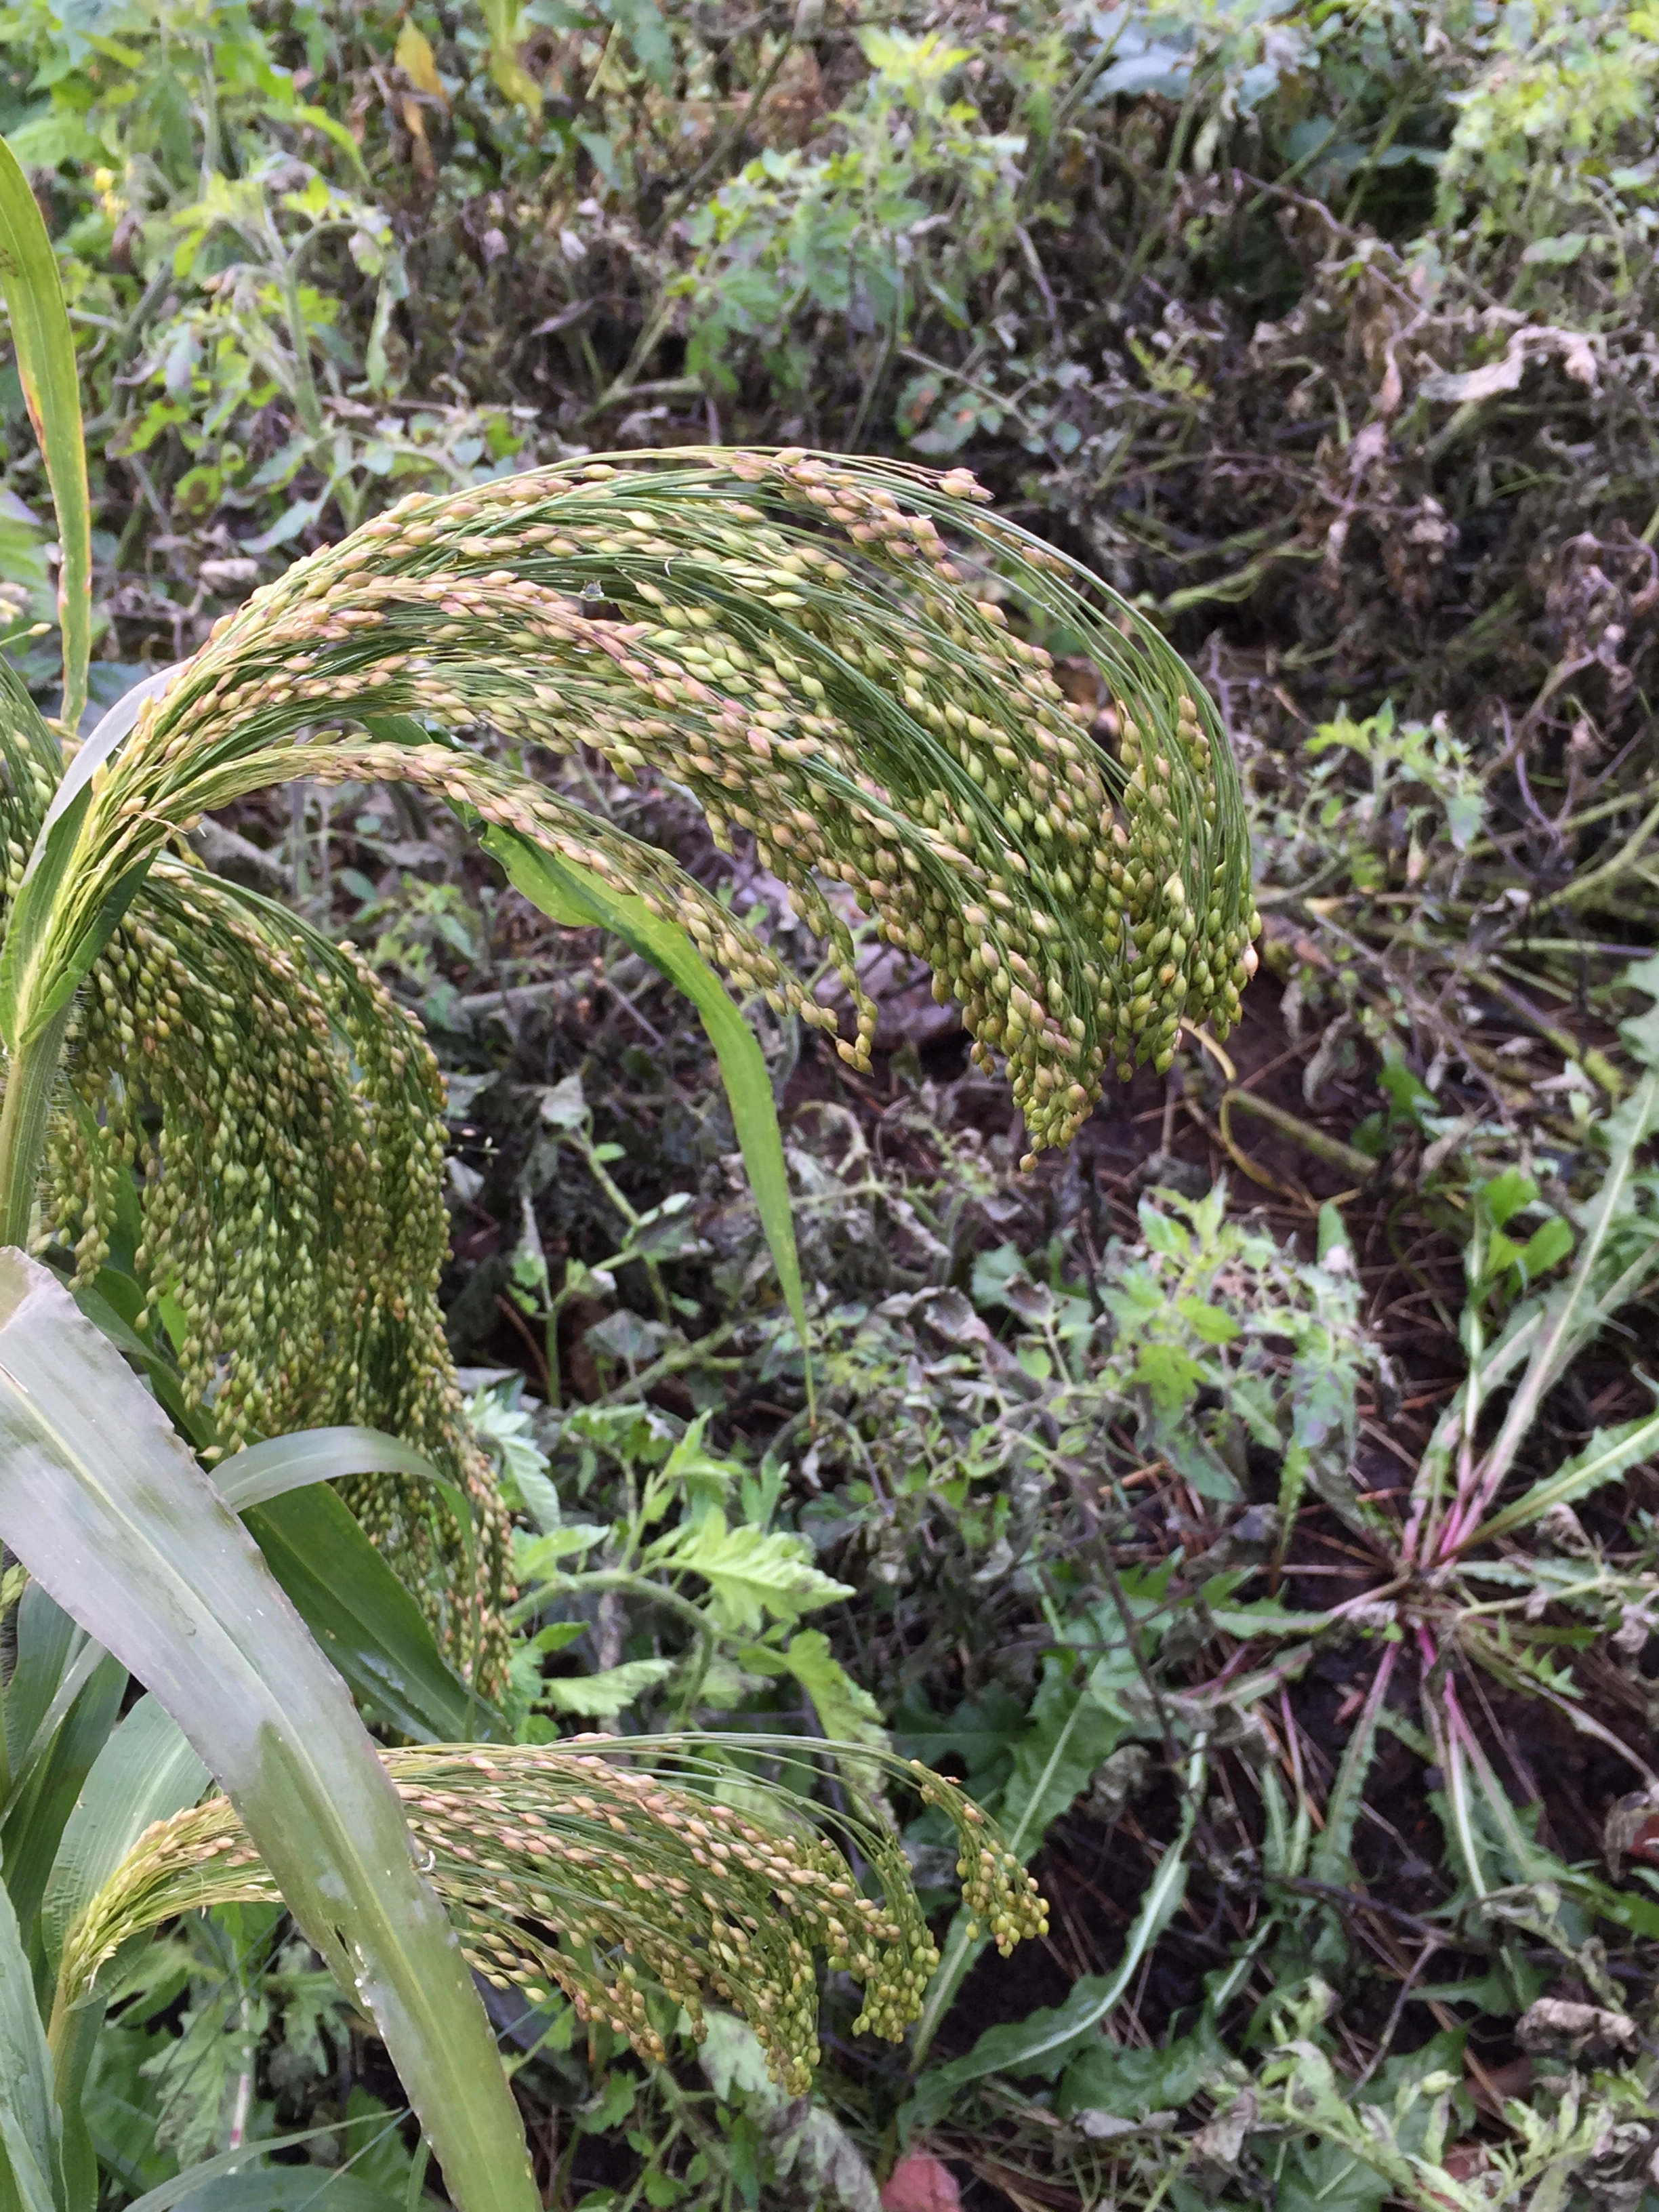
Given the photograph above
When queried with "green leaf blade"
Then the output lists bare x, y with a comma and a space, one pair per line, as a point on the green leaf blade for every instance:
30, 2125
146, 1771
575, 898
45, 348
375, 1634
751, 1573
108, 1512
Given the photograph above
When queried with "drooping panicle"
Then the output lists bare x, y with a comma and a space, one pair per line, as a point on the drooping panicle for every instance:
839, 658
605, 1868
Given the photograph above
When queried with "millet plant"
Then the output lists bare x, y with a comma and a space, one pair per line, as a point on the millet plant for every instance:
226, 1139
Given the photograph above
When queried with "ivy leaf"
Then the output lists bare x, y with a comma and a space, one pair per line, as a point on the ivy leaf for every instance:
750, 1575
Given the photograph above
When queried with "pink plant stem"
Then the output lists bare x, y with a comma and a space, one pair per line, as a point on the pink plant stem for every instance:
1379, 1689
1475, 1492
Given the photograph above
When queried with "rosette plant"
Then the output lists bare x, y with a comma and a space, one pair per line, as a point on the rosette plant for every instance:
221, 1142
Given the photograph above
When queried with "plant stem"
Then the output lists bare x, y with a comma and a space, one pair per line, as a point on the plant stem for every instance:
23, 1126
1322, 1146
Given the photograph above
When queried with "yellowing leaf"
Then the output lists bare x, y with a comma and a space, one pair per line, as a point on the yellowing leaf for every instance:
505, 22
415, 57
750, 1574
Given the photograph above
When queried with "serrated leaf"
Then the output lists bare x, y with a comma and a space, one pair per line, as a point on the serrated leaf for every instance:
846, 1712
749, 1575
1608, 1454
602, 1696
535, 1558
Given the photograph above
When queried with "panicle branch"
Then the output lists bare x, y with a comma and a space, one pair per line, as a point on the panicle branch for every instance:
611, 1873
800, 644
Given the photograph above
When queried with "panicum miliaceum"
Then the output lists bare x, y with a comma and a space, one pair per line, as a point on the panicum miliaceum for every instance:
816, 649
612, 1875
284, 1117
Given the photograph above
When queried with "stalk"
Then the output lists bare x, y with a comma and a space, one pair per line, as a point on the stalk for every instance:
23, 1126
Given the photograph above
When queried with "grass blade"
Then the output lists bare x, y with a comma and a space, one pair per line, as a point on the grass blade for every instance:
280, 1464
106, 1508
271, 2188
375, 1634
146, 1772
1015, 2048
30, 2125
45, 348
279, 1467
570, 894
43, 1800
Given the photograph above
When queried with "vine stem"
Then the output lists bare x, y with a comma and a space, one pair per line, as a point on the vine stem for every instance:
23, 1126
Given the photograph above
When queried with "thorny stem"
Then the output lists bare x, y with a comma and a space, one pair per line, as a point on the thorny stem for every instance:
30, 1081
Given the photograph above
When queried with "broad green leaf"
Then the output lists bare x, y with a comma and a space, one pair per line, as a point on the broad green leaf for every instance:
277, 2189
146, 1772
1067, 1736
265, 2188
31, 2177
981, 1731
69, 1741
44, 348
578, 899
1127, 2082
846, 1714
280, 1464
534, 1558
601, 1697
349, 1599
751, 1574
108, 1510
371, 1628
